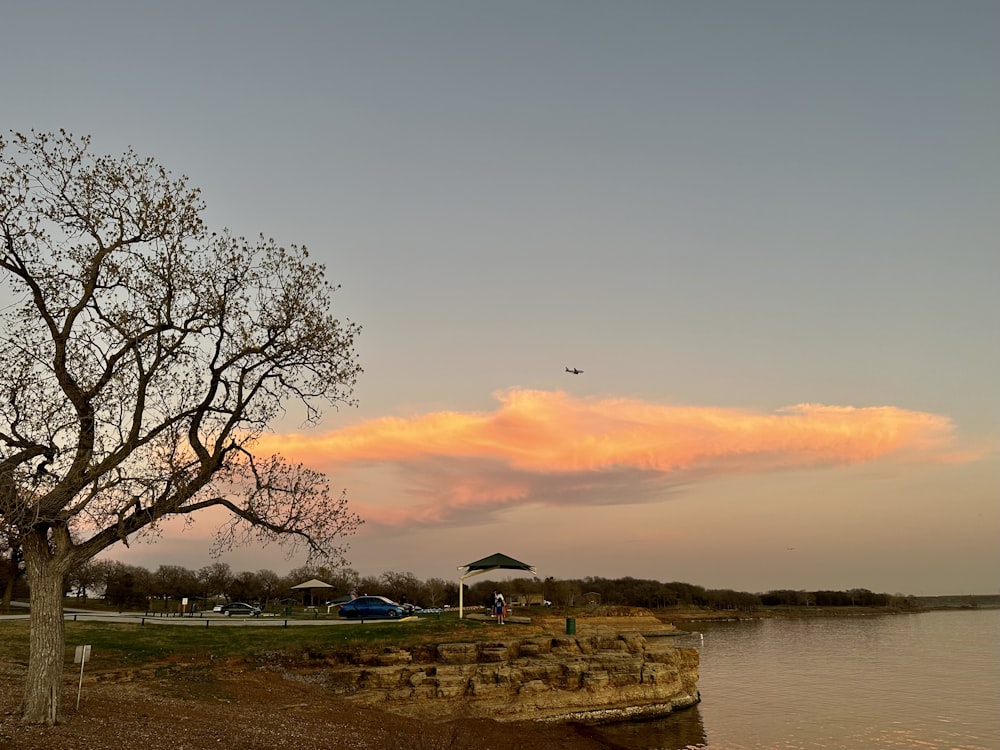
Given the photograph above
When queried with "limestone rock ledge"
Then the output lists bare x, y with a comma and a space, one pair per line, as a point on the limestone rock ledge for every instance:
597, 677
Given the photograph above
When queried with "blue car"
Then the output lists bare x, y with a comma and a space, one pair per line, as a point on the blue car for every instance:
372, 607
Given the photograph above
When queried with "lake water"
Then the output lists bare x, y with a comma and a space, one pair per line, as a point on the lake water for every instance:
929, 681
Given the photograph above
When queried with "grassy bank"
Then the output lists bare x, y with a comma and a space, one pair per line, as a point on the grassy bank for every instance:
117, 646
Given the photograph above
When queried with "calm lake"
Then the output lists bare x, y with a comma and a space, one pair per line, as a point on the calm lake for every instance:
928, 681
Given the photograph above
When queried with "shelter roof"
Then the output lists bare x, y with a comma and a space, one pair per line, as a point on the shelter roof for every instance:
313, 583
498, 560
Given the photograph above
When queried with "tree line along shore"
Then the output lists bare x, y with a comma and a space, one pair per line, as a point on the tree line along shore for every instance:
118, 585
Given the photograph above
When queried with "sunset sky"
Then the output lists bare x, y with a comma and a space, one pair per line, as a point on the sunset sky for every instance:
767, 232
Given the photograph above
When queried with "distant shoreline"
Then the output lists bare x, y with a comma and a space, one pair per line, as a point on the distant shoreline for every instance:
963, 601
924, 604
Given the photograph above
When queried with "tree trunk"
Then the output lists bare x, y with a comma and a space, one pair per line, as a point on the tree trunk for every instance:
47, 644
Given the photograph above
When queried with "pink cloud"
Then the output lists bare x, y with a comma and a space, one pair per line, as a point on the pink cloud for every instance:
545, 447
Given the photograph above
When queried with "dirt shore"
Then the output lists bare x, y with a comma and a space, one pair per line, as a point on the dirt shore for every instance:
237, 706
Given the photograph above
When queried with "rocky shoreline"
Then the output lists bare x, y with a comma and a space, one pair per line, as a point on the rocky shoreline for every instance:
613, 669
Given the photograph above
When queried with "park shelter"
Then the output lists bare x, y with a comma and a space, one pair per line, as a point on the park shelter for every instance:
310, 586
496, 561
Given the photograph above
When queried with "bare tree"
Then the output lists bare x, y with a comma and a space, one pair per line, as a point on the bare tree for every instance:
305, 572
270, 585
84, 578
245, 587
436, 592
173, 582
403, 587
141, 358
215, 579
127, 586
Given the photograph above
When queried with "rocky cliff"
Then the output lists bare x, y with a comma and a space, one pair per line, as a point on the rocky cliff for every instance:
604, 673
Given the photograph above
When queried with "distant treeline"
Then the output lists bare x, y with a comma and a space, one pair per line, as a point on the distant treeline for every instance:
652, 594
962, 601
124, 585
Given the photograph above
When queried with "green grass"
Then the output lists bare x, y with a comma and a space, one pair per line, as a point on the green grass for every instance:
116, 645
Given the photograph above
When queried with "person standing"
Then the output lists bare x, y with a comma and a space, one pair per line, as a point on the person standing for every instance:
499, 606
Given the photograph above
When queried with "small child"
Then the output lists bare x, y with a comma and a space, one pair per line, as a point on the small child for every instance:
500, 606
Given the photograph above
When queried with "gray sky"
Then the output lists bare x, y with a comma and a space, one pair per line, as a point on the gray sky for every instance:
719, 211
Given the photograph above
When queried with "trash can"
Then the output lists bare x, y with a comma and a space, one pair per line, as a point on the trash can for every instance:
570, 626
288, 611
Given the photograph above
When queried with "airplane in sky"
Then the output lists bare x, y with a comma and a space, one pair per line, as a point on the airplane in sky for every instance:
574, 371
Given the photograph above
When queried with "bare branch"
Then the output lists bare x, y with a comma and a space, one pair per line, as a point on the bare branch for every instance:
143, 356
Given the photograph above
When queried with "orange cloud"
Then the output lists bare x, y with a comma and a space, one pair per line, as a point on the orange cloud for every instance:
551, 447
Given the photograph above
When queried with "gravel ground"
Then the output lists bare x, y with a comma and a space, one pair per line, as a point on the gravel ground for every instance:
231, 706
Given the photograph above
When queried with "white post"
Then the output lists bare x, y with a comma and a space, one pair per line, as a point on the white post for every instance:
461, 593
82, 655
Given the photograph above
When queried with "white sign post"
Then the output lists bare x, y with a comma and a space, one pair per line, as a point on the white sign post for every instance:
81, 658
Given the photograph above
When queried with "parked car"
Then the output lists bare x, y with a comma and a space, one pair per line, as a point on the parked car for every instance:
218, 607
239, 608
371, 607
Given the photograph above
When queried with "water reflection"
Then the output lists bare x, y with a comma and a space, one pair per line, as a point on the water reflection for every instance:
926, 681
682, 730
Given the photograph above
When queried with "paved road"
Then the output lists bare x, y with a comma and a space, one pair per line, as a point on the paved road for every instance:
200, 619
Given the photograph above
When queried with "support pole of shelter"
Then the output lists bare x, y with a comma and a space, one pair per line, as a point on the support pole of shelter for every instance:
461, 588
